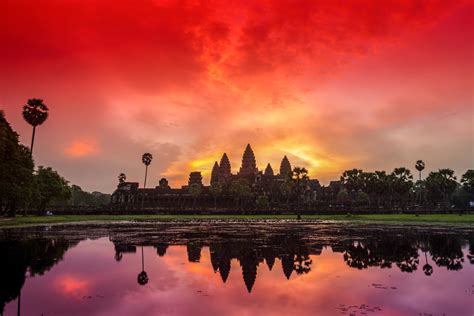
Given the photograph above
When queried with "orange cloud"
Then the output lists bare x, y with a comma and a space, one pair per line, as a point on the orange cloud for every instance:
81, 148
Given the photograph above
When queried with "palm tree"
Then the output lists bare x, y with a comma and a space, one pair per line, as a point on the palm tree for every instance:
146, 159
35, 112
195, 189
382, 187
216, 190
142, 277
402, 182
427, 268
241, 191
441, 184
122, 178
299, 180
420, 166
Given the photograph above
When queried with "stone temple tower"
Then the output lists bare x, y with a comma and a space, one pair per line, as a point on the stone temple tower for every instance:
215, 173
285, 167
249, 165
224, 168
268, 171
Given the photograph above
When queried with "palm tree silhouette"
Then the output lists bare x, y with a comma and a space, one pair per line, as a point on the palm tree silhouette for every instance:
420, 166
18, 309
146, 159
142, 277
122, 178
427, 268
195, 190
35, 112
299, 179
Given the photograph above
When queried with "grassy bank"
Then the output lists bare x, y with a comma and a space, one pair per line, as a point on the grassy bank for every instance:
377, 218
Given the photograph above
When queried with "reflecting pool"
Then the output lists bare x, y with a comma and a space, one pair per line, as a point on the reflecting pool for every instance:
237, 268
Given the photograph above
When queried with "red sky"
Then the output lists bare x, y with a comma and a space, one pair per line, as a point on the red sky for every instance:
332, 84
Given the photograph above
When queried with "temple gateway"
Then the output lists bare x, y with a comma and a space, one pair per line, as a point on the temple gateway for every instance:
224, 186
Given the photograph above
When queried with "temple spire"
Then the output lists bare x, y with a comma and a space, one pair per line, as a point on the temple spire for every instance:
224, 168
215, 173
249, 165
249, 263
269, 171
285, 167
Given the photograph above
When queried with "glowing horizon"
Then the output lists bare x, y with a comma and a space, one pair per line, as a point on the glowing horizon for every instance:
332, 85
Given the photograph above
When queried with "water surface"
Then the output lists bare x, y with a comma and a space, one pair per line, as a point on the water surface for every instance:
237, 268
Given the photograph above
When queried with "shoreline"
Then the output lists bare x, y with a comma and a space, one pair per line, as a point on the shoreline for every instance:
21, 221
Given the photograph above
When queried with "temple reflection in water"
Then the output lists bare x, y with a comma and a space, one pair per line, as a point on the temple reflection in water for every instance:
407, 255
297, 250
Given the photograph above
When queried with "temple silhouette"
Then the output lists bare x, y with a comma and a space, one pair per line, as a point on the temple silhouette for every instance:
260, 183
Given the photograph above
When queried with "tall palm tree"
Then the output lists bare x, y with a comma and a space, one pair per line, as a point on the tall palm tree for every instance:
142, 277
146, 159
420, 166
35, 112
427, 268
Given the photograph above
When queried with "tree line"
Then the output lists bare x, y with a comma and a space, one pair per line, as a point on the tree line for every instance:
356, 188
382, 189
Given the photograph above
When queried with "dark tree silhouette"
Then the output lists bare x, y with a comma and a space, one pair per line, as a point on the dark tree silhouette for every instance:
299, 182
420, 166
427, 268
32, 257
467, 181
146, 159
216, 189
51, 187
142, 277
16, 171
35, 113
441, 184
351, 180
446, 251
122, 178
195, 190
402, 182
241, 191
302, 263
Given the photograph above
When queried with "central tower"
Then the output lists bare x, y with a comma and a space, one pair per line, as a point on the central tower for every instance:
249, 165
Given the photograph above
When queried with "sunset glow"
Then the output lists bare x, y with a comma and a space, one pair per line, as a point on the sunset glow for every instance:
71, 285
81, 148
332, 84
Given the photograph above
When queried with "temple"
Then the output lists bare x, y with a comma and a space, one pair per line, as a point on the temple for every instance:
260, 182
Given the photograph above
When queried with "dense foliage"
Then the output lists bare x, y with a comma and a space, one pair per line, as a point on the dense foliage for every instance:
16, 169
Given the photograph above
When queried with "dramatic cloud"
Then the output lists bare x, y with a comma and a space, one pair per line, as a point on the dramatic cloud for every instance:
331, 84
